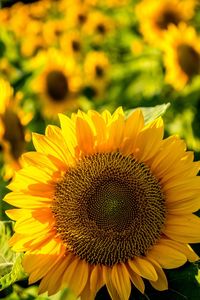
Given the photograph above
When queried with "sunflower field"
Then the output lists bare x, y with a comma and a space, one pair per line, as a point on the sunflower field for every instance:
100, 150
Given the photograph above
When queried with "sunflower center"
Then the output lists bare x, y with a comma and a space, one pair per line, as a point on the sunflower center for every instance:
14, 133
101, 28
189, 60
99, 71
57, 85
109, 208
82, 18
76, 46
166, 18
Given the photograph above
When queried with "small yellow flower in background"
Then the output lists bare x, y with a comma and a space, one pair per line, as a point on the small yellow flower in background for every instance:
31, 45
53, 31
76, 15
115, 3
96, 67
57, 82
12, 131
181, 55
6, 94
99, 25
4, 16
38, 10
19, 19
71, 43
155, 16
105, 200
137, 46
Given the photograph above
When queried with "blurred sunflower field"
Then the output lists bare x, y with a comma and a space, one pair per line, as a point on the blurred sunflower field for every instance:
67, 56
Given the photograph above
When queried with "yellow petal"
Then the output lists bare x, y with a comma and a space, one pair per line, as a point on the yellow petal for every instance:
86, 294
30, 176
22, 200
16, 214
30, 225
193, 183
172, 150
85, 136
167, 257
38, 242
53, 246
106, 115
109, 284
100, 128
76, 275
161, 283
183, 228
38, 265
18, 242
54, 134
143, 268
183, 206
149, 139
44, 145
133, 126
52, 281
38, 160
121, 281
96, 279
183, 248
115, 133
181, 170
68, 132
136, 280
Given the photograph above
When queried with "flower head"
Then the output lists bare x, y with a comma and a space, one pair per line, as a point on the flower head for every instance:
155, 16
57, 82
105, 200
181, 55
12, 128
96, 70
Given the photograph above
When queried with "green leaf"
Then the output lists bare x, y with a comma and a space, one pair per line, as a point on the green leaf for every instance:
2, 48
198, 276
151, 113
10, 262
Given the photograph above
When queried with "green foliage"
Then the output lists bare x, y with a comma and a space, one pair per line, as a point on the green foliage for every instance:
31, 293
10, 262
151, 113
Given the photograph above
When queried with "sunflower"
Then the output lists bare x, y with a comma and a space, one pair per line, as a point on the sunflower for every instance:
105, 201
12, 132
116, 3
31, 45
71, 43
57, 83
53, 31
4, 16
98, 25
38, 10
181, 55
19, 18
155, 16
96, 68
76, 14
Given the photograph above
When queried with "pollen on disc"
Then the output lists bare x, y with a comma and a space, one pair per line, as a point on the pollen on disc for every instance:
109, 208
